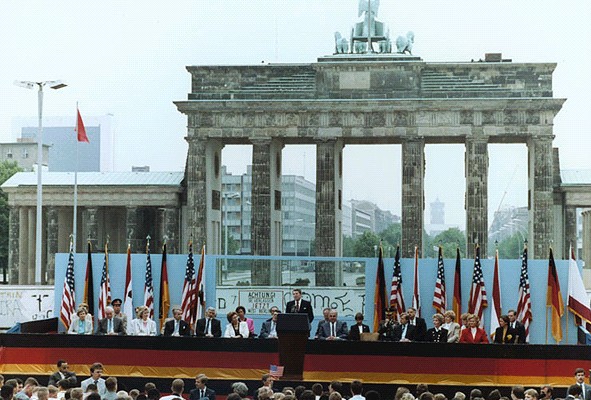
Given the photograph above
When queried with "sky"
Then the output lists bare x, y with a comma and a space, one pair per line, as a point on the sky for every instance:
127, 59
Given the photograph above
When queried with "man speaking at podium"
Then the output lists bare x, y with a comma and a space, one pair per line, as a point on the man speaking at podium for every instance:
299, 306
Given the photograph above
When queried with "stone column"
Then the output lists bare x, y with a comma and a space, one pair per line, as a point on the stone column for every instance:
52, 243
570, 231
169, 226
266, 231
413, 197
476, 203
24, 237
586, 215
133, 229
12, 269
329, 189
90, 225
32, 219
541, 218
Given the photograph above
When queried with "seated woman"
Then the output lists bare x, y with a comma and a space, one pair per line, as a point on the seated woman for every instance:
249, 322
453, 328
236, 328
504, 333
143, 325
80, 325
472, 333
437, 334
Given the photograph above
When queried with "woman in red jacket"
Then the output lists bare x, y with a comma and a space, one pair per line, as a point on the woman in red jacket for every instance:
473, 334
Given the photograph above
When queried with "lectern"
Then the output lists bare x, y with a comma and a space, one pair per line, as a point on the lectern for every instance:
292, 331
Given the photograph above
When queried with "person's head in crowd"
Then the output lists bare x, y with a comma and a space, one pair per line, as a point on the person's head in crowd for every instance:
474, 393
335, 386
148, 386
67, 394
7, 392
531, 394
20, 384
494, 394
449, 316
407, 396
42, 393
1, 380
240, 388
546, 392
116, 304
439, 396
464, 319
517, 392
574, 391
141, 396
400, 391
426, 396
288, 390
356, 387
122, 394
267, 380
93, 396
335, 396
63, 385
372, 395
153, 394
91, 388
460, 395
177, 387
317, 389
289, 397
30, 384
52, 391
278, 396
233, 396
111, 384
96, 370
307, 395
264, 393
299, 390
76, 394
421, 387
134, 393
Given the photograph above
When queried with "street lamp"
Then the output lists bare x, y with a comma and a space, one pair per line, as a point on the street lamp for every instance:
226, 196
39, 85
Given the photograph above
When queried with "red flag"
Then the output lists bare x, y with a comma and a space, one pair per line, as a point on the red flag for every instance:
524, 314
68, 296
554, 299
164, 305
128, 305
439, 301
396, 297
416, 300
478, 301
105, 295
495, 310
457, 301
200, 285
379, 300
189, 295
578, 301
80, 129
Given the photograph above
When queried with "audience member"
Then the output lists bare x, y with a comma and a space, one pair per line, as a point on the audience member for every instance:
177, 388
240, 388
356, 390
318, 390
372, 395
573, 392
580, 380
421, 388
27, 391
96, 373
306, 395
475, 393
134, 393
531, 394
42, 393
63, 372
546, 392
494, 394
153, 394
517, 392
201, 390
111, 389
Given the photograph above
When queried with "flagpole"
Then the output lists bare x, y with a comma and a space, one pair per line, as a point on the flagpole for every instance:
74, 219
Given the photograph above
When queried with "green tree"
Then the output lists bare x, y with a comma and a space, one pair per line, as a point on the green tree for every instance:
233, 244
348, 246
511, 247
449, 239
365, 245
392, 235
7, 169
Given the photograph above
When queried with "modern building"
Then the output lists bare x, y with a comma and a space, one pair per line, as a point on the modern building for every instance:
367, 216
24, 153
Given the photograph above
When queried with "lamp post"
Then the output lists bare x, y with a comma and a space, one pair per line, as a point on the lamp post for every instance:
38, 230
226, 196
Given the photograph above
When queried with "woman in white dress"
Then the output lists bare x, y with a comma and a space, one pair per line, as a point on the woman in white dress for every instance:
143, 325
80, 325
453, 328
236, 328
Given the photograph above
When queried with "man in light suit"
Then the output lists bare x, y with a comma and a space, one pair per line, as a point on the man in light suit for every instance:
176, 326
201, 390
110, 325
334, 329
209, 326
269, 328
299, 305
580, 380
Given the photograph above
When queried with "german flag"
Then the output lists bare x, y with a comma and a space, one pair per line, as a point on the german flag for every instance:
554, 299
379, 300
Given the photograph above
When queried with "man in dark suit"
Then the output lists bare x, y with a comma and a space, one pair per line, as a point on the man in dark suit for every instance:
419, 324
269, 327
334, 329
404, 332
110, 325
201, 390
176, 326
63, 372
322, 322
299, 305
580, 380
358, 328
517, 326
209, 326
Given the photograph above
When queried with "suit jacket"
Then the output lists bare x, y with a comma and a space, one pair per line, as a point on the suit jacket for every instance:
266, 329
216, 327
480, 337
137, 327
520, 331
453, 333
386, 331
509, 337
195, 395
354, 332
420, 329
56, 377
184, 328
117, 326
341, 330
242, 329
410, 332
586, 391
319, 327
434, 336
305, 308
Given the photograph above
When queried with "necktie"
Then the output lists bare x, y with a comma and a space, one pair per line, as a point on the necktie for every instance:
110, 327
298, 306
202, 392
333, 329
207, 326
403, 332
96, 383
176, 327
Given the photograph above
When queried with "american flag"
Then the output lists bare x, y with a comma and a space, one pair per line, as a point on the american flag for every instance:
68, 296
396, 297
524, 314
276, 371
416, 299
478, 301
128, 300
149, 285
200, 285
105, 295
439, 302
189, 296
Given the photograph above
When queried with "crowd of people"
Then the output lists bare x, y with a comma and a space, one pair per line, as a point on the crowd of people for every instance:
63, 385
406, 327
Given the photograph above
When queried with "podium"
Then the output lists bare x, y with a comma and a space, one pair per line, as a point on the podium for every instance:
293, 331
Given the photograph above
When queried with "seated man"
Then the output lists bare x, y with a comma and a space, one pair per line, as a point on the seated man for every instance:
63, 372
110, 325
404, 332
209, 326
386, 326
334, 329
176, 326
269, 328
